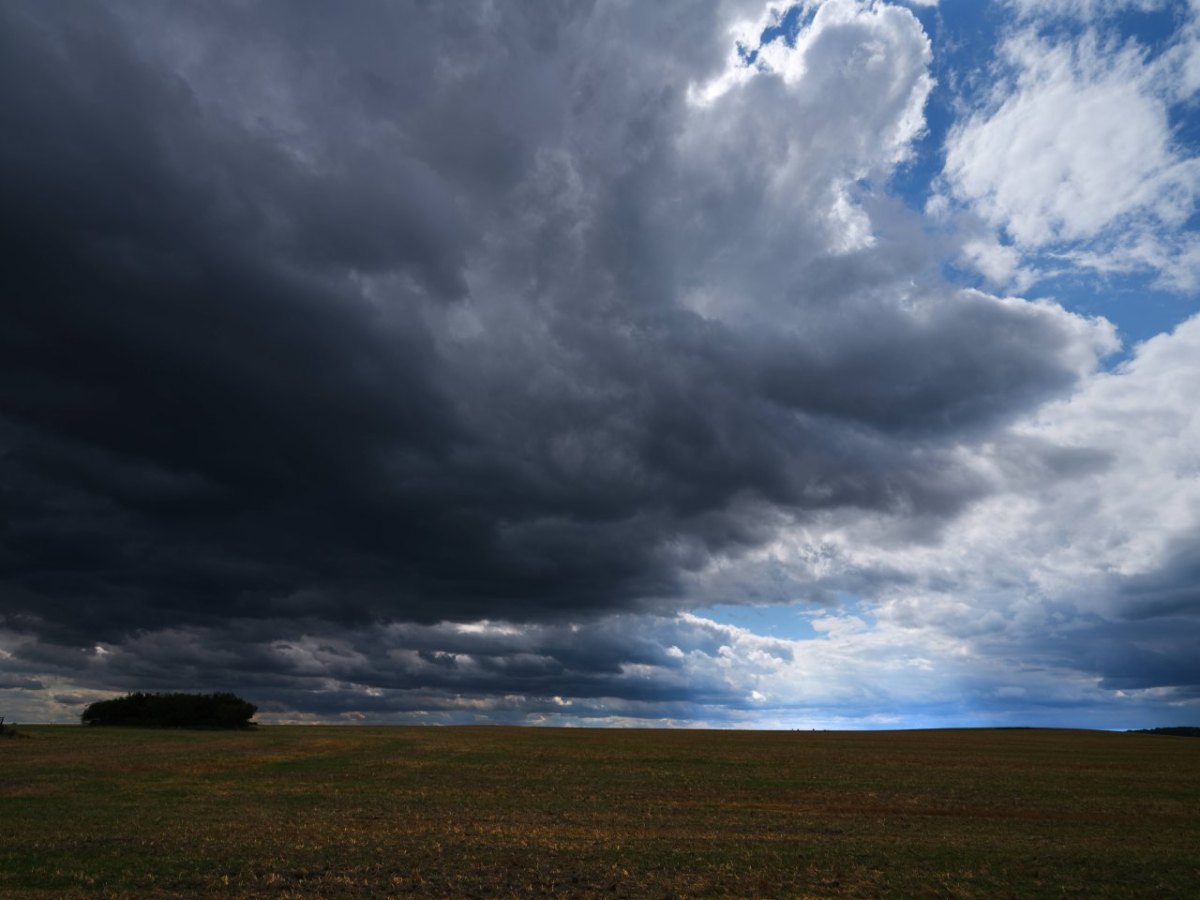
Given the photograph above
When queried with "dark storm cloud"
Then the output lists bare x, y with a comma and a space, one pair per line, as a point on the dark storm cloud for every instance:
1147, 643
1171, 589
15, 684
399, 669
1129, 655
383, 316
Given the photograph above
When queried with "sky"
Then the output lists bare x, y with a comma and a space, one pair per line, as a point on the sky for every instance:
714, 363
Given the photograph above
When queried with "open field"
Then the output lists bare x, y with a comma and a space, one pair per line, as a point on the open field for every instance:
326, 811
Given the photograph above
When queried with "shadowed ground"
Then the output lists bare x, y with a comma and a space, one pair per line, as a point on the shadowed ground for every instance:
325, 811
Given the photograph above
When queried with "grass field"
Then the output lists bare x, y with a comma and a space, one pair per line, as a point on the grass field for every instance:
326, 811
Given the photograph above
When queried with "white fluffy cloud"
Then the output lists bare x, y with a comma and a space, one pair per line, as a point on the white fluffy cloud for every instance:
1080, 143
1074, 155
765, 191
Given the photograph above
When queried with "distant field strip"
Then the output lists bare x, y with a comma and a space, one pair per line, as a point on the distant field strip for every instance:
287, 811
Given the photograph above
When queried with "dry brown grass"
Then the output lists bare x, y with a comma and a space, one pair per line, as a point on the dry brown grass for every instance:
501, 812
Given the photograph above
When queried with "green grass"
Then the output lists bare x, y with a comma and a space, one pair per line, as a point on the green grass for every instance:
324, 811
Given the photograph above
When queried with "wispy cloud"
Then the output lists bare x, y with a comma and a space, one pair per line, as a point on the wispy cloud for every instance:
1073, 161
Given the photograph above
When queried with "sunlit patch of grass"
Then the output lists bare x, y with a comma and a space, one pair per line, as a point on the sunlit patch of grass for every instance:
322, 811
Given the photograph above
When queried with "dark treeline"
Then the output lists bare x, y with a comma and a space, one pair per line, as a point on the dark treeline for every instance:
172, 711
1174, 731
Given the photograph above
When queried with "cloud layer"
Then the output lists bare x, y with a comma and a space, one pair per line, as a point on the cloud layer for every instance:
435, 360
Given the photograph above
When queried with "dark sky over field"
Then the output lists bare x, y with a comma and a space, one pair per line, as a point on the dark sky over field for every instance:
603, 362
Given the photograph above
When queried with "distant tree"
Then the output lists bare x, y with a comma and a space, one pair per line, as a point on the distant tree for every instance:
1173, 731
171, 711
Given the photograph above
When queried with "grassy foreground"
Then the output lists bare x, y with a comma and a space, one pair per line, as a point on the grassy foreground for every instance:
325, 811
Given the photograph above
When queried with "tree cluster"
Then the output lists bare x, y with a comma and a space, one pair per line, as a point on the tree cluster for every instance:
141, 710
